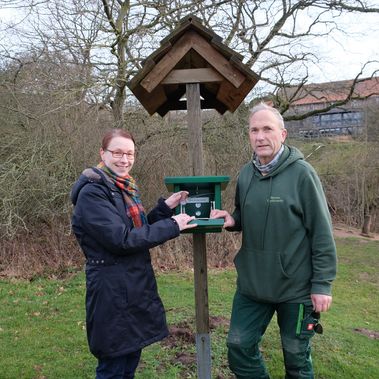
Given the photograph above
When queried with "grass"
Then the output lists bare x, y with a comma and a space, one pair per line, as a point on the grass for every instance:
42, 329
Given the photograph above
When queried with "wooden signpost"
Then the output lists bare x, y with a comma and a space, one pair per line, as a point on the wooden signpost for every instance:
193, 70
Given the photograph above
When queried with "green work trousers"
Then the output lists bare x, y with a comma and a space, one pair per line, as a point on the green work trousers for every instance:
249, 322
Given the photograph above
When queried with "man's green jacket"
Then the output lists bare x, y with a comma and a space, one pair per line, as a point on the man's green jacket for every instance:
288, 251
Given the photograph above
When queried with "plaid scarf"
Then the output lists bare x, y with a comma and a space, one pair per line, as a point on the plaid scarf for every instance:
130, 193
266, 168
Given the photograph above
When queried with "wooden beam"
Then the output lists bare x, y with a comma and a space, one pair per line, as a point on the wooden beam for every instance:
147, 67
173, 101
158, 54
194, 75
181, 105
232, 97
166, 64
211, 100
151, 101
244, 69
227, 51
190, 40
216, 60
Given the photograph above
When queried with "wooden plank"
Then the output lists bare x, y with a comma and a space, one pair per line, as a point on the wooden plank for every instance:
157, 54
173, 100
211, 100
226, 51
244, 69
194, 75
216, 60
178, 105
166, 64
178, 31
231, 96
196, 60
191, 22
147, 67
151, 101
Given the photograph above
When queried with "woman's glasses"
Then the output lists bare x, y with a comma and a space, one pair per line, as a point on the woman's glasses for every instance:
119, 154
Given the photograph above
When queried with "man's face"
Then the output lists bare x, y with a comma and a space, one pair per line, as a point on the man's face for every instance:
266, 135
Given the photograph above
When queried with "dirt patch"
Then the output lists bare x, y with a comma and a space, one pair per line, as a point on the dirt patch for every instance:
183, 334
344, 231
368, 333
182, 338
180, 335
216, 322
186, 359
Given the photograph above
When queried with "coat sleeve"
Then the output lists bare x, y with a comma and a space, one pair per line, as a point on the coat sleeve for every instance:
318, 224
99, 218
161, 211
236, 213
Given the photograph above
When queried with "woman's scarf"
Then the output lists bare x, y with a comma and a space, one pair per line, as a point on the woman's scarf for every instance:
130, 193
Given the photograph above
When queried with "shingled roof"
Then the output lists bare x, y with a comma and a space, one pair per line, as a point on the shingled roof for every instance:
332, 91
192, 54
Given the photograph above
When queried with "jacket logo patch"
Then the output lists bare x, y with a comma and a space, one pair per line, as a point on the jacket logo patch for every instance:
275, 199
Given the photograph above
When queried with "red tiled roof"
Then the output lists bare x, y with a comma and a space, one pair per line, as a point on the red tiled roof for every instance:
333, 91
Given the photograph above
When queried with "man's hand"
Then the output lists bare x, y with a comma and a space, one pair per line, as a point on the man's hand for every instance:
229, 220
321, 303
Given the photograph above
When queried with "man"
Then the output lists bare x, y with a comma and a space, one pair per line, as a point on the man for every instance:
287, 260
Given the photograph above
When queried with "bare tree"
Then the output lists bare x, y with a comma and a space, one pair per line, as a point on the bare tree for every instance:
137, 27
109, 40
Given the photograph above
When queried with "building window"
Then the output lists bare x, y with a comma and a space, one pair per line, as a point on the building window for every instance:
352, 118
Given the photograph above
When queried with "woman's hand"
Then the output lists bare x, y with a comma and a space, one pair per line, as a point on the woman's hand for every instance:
229, 220
183, 219
175, 199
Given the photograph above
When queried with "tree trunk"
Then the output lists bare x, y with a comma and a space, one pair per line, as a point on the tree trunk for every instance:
366, 226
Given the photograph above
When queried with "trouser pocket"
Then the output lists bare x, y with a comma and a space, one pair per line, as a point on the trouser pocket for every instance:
308, 322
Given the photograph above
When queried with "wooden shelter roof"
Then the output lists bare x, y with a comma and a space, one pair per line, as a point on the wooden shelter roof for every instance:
192, 54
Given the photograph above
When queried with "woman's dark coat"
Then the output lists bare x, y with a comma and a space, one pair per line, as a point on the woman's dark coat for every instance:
124, 311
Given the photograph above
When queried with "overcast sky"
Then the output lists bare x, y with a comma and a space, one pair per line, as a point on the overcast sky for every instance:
340, 58
343, 59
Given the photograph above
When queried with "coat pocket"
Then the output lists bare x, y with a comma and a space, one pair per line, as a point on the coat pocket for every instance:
261, 274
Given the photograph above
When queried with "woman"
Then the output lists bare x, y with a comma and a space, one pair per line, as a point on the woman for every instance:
123, 310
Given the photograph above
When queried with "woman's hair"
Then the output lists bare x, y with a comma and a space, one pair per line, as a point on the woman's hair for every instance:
112, 133
263, 106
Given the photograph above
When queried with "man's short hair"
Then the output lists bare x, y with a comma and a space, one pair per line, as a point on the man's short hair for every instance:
263, 106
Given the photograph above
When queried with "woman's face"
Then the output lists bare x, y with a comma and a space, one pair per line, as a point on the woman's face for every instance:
119, 155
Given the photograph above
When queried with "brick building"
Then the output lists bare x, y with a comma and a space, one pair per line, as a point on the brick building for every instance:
356, 117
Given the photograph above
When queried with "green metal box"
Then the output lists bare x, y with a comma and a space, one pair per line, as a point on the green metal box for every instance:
204, 195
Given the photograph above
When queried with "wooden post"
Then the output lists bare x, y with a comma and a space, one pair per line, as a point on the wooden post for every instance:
194, 128
203, 345
203, 341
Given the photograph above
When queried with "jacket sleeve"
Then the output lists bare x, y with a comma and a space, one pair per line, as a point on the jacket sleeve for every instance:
161, 211
318, 224
236, 213
99, 218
